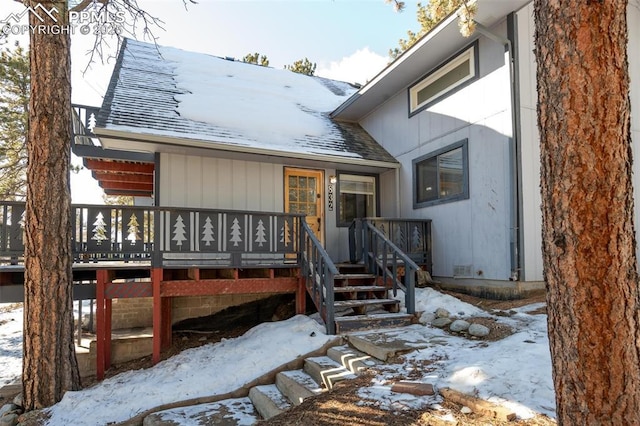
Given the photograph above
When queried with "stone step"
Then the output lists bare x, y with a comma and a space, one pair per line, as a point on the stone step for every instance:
228, 412
352, 359
326, 371
268, 400
372, 321
297, 385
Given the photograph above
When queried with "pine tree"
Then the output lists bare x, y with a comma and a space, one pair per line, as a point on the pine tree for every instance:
207, 232
133, 229
99, 229
285, 234
236, 232
302, 66
260, 234
256, 58
429, 16
14, 122
179, 234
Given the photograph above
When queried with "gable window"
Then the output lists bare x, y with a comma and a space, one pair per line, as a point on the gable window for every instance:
356, 197
441, 176
446, 79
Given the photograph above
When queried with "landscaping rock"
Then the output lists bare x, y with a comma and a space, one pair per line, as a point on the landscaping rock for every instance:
19, 400
459, 325
441, 322
442, 313
478, 330
427, 318
10, 419
7, 408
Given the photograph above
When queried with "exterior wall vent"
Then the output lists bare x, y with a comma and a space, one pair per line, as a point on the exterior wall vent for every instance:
462, 271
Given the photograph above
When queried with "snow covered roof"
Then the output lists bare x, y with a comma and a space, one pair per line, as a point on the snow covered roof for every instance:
172, 93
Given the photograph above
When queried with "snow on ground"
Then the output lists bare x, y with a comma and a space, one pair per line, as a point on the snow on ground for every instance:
10, 343
515, 371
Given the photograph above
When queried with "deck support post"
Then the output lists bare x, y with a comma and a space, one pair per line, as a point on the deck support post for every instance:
156, 281
101, 329
301, 295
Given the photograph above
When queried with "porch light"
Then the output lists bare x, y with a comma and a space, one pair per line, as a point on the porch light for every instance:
333, 180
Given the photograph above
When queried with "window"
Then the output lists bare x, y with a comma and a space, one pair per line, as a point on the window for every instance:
441, 176
356, 197
449, 77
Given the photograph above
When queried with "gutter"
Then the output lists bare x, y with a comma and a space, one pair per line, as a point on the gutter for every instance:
515, 238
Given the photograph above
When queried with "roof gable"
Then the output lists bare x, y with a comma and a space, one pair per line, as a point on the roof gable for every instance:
169, 92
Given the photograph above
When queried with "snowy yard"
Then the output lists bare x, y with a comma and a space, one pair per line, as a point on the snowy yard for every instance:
514, 371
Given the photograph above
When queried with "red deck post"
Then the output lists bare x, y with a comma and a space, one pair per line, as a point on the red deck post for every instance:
107, 336
156, 280
101, 279
301, 295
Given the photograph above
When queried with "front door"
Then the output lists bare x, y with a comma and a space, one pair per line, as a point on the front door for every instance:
303, 194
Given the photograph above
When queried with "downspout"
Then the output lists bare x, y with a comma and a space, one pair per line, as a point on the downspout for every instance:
399, 194
514, 148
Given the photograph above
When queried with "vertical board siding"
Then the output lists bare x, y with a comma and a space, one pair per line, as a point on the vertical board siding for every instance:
473, 232
192, 181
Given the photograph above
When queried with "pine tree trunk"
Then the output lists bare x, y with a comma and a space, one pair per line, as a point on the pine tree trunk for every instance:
49, 362
587, 202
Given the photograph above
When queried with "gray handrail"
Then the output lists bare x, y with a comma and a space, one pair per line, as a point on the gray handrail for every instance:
384, 256
319, 273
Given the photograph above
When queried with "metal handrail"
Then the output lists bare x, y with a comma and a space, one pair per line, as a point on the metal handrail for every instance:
385, 257
319, 273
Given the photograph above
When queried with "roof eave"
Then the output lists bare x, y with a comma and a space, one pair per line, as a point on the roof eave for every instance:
445, 38
213, 145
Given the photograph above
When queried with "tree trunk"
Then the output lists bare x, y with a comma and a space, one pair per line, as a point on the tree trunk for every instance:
49, 361
587, 202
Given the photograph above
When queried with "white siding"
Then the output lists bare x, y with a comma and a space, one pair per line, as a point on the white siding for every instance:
530, 149
530, 143
475, 232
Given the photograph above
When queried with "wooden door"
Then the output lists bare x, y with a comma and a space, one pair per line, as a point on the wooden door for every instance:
304, 194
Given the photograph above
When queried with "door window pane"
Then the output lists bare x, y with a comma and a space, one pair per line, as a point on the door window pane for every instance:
356, 198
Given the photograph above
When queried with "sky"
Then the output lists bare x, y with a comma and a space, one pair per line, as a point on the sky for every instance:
514, 372
349, 40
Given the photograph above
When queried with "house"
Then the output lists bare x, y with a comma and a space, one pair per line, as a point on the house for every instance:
459, 114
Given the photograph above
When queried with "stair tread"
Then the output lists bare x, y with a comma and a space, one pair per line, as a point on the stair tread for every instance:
353, 276
359, 288
364, 302
398, 315
352, 359
297, 385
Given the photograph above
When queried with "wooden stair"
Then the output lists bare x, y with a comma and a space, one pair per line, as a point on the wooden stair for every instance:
361, 303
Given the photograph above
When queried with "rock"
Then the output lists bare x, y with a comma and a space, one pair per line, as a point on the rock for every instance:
442, 313
478, 330
19, 400
7, 408
427, 318
459, 325
466, 410
441, 322
10, 419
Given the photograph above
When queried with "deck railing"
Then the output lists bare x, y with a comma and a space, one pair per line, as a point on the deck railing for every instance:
411, 236
166, 236
319, 273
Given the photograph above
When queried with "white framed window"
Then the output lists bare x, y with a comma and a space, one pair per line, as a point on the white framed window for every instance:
442, 176
454, 74
356, 197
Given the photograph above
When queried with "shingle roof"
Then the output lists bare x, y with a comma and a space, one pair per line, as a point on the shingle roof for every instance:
148, 94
